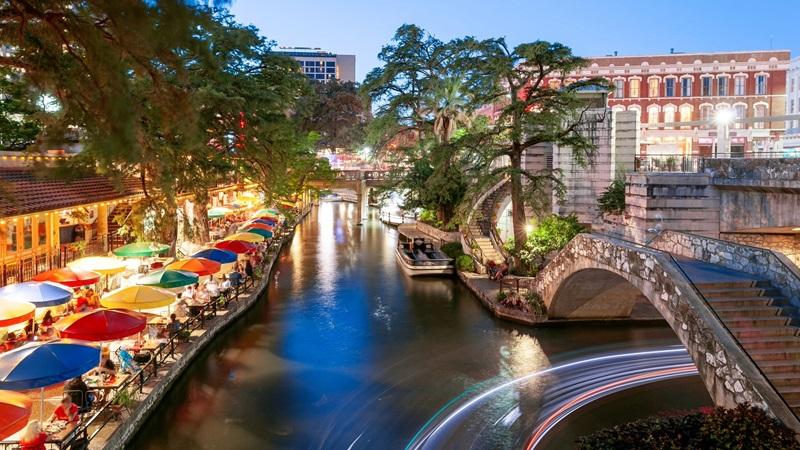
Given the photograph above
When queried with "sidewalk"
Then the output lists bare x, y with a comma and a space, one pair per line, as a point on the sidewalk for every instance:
486, 290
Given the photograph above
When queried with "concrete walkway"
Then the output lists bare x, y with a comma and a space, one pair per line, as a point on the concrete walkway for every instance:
700, 272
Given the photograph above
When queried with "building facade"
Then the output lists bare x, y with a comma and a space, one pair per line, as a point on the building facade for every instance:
678, 95
792, 141
320, 65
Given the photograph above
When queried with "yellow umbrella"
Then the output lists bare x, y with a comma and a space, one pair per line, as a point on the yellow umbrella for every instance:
101, 264
245, 236
13, 312
138, 297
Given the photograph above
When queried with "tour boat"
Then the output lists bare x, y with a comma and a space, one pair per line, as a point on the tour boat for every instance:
418, 256
333, 197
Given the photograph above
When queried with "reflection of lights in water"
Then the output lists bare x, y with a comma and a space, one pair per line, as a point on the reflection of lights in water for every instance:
326, 252
575, 378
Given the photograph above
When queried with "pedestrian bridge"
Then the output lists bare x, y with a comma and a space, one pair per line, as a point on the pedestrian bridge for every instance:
730, 315
359, 181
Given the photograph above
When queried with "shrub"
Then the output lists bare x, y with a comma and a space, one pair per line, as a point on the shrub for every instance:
743, 427
501, 296
553, 233
429, 217
536, 304
465, 263
452, 249
612, 201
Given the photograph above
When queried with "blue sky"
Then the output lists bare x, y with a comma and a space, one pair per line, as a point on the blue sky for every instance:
590, 27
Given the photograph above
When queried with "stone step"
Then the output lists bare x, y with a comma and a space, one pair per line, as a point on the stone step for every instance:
755, 322
741, 292
771, 331
791, 394
752, 311
779, 366
758, 342
785, 379
748, 301
737, 284
775, 354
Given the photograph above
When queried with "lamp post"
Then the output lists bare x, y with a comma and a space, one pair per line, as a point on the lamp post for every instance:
723, 118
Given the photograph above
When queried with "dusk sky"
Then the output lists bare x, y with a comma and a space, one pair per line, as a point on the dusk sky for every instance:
590, 27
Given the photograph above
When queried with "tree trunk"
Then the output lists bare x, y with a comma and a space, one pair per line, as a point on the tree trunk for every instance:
517, 203
201, 220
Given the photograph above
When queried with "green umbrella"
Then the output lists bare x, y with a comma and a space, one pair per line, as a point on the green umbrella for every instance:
265, 233
267, 212
168, 279
141, 249
220, 211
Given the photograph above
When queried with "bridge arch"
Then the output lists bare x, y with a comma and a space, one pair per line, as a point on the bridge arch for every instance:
599, 277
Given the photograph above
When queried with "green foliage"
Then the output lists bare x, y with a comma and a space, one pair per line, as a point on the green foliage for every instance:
612, 201
465, 263
501, 296
337, 112
19, 125
551, 234
535, 303
742, 428
452, 249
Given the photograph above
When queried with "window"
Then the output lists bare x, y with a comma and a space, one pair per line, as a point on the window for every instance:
669, 87
633, 88
652, 114
759, 111
740, 112
11, 236
738, 86
706, 86
791, 106
554, 84
722, 86
669, 114
41, 231
761, 84
791, 85
686, 87
330, 63
686, 113
653, 88
619, 88
706, 114
27, 233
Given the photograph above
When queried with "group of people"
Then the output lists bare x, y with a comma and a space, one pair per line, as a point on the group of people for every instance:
85, 299
496, 271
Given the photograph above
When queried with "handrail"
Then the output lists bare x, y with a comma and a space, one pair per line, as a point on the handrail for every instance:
466, 232
708, 306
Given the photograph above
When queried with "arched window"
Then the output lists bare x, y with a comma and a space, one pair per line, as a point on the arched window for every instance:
740, 112
686, 113
759, 110
653, 88
706, 114
633, 88
652, 114
669, 114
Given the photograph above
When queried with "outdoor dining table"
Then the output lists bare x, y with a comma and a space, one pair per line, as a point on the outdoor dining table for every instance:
104, 386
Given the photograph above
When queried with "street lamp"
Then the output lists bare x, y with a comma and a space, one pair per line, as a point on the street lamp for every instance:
724, 117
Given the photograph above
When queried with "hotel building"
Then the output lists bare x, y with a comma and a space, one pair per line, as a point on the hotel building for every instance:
320, 65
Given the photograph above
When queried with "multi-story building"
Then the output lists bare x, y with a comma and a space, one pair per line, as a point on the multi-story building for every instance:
320, 65
678, 95
792, 140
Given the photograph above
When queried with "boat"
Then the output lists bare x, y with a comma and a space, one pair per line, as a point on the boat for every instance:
418, 256
334, 197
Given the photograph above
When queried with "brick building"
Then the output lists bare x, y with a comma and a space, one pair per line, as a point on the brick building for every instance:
678, 95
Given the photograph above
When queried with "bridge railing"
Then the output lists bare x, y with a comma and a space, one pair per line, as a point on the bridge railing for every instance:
696, 163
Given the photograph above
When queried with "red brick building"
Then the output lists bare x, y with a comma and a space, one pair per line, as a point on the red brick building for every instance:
667, 90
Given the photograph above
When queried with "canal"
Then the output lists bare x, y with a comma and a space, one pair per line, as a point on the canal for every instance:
345, 351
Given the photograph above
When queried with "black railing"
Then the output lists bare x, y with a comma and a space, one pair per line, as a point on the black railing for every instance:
696, 163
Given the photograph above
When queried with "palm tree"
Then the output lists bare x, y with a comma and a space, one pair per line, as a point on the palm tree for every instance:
448, 105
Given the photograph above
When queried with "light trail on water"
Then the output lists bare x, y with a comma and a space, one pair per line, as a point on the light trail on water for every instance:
575, 384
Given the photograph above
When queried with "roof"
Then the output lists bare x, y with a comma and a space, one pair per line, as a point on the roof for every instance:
690, 57
24, 193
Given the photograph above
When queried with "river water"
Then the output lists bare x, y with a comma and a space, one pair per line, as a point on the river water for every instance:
345, 351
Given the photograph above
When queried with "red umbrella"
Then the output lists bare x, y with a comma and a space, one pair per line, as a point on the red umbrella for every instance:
260, 226
236, 246
69, 277
15, 410
101, 325
200, 266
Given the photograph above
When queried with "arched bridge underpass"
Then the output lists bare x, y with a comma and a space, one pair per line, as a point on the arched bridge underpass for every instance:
359, 181
736, 326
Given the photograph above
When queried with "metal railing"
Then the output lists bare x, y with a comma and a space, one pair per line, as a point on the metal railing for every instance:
696, 163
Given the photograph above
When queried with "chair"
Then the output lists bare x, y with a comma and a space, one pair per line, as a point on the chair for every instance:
127, 364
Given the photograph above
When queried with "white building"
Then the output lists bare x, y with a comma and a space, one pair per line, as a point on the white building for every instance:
792, 138
320, 65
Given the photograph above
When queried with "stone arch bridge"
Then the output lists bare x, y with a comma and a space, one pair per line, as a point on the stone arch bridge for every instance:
735, 324
359, 181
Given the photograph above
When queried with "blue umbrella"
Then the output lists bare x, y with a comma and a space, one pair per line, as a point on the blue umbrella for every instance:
266, 221
43, 294
41, 364
216, 254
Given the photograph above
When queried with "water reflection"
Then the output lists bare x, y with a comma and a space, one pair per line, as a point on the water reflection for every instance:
346, 349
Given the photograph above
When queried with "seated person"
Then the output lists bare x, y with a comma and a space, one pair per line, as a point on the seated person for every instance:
46, 326
174, 326
81, 304
491, 269
182, 309
235, 277
30, 329
212, 287
226, 285
11, 341
92, 299
33, 438
78, 391
66, 411
106, 366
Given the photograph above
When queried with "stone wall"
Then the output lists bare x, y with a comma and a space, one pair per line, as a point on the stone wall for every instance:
729, 374
444, 236
761, 262
787, 244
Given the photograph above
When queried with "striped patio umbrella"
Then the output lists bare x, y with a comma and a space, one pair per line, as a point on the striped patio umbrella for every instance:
168, 279
263, 233
41, 293
245, 236
141, 250
13, 312
70, 277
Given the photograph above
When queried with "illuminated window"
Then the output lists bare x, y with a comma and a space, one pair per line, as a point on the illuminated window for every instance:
669, 87
759, 111
706, 86
669, 114
686, 113
722, 86
619, 88
740, 112
41, 231
738, 85
761, 85
633, 88
706, 112
27, 233
652, 114
686, 87
653, 88
11, 236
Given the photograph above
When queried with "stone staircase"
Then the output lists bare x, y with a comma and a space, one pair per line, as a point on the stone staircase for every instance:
482, 223
762, 321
